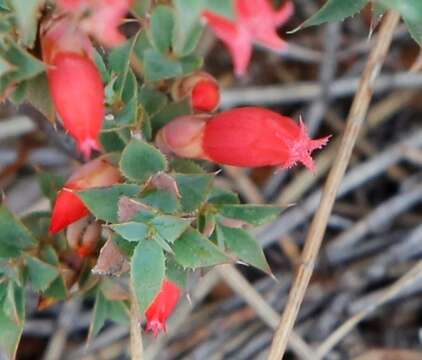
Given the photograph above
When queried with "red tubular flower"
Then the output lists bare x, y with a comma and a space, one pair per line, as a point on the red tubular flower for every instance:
99, 18
75, 83
162, 307
247, 137
255, 21
78, 94
202, 89
68, 208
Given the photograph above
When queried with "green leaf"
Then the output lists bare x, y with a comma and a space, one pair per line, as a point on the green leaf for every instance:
151, 100
142, 44
194, 190
57, 289
176, 273
140, 160
50, 184
162, 242
188, 29
191, 63
162, 200
5, 67
26, 65
40, 273
193, 250
334, 10
161, 28
411, 11
128, 115
252, 214
168, 113
102, 202
14, 236
126, 247
131, 231
222, 196
119, 61
105, 309
160, 67
243, 245
111, 139
101, 66
38, 95
147, 272
27, 13
49, 255
185, 166
37, 223
141, 7
11, 331
170, 227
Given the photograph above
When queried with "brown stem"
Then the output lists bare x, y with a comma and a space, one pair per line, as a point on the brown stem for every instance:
136, 347
318, 226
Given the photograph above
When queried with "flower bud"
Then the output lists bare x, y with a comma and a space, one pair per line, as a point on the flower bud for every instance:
183, 136
83, 236
162, 307
246, 137
68, 208
202, 90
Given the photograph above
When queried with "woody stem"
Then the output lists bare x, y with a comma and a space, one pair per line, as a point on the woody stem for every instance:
318, 226
136, 347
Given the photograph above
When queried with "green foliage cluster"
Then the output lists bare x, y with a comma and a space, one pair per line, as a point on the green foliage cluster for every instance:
173, 232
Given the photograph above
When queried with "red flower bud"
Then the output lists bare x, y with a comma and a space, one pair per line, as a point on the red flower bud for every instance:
202, 89
247, 137
75, 82
68, 208
183, 136
162, 307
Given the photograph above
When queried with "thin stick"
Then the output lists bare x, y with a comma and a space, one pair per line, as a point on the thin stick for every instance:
247, 292
317, 229
136, 347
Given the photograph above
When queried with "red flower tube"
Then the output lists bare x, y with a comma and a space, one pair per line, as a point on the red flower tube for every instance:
162, 307
98, 18
254, 21
68, 208
246, 137
75, 84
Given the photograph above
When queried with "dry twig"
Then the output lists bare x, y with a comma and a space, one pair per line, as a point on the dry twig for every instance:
317, 229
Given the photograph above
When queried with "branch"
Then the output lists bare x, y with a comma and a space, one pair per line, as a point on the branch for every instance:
136, 347
319, 224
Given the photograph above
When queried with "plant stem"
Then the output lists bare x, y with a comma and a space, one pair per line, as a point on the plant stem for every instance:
318, 226
136, 347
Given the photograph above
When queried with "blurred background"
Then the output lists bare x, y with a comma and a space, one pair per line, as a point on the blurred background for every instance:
374, 235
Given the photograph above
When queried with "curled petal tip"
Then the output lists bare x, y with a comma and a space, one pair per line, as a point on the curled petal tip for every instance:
318, 143
307, 160
284, 13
